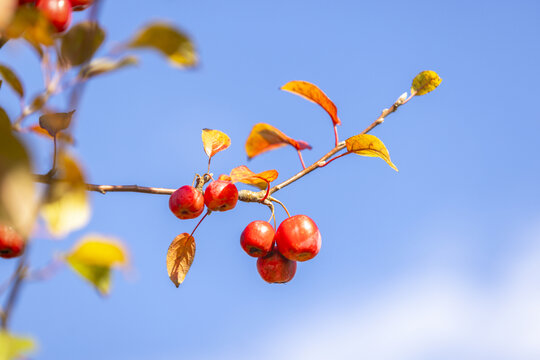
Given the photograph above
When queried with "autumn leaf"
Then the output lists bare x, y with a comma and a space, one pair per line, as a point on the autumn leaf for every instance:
12, 79
214, 141
261, 180
104, 65
33, 25
180, 256
313, 93
94, 256
7, 9
425, 82
169, 41
67, 207
38, 130
56, 122
81, 42
369, 145
264, 137
4, 118
14, 347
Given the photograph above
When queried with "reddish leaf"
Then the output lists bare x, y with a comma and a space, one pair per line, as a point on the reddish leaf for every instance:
265, 137
214, 141
313, 93
180, 257
261, 180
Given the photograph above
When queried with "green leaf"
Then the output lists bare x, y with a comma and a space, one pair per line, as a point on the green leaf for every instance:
169, 41
104, 65
369, 145
425, 82
17, 188
12, 79
56, 122
81, 42
13, 347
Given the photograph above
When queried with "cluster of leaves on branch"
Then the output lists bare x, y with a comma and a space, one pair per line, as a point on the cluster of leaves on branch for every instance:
59, 198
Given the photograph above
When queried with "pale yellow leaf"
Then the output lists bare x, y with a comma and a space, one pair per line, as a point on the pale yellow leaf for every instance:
13, 347
180, 256
369, 145
214, 141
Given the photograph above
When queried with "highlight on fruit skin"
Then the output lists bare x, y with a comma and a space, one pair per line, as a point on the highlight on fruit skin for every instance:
11, 242
220, 195
298, 238
274, 268
186, 202
257, 239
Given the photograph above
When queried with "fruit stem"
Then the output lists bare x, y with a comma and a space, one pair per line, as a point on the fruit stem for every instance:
200, 221
282, 205
54, 154
336, 135
301, 159
271, 206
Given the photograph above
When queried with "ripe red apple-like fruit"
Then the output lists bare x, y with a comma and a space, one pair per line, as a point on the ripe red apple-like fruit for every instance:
186, 202
57, 11
275, 268
257, 239
11, 243
220, 195
298, 238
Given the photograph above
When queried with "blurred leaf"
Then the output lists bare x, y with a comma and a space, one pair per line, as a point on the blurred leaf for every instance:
31, 23
224, 177
168, 40
4, 119
214, 141
261, 180
12, 79
81, 42
93, 257
313, 93
265, 137
369, 145
13, 347
38, 102
67, 207
7, 9
425, 82
104, 65
54, 123
180, 257
36, 129
17, 188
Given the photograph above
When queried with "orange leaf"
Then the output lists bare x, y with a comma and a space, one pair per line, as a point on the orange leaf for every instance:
261, 180
180, 257
265, 137
224, 177
313, 93
38, 130
214, 141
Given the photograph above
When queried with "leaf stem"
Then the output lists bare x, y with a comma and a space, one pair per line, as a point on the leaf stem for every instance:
336, 134
199, 223
282, 205
301, 159
334, 158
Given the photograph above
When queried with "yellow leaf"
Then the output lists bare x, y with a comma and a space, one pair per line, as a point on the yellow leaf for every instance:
313, 93
67, 208
369, 145
180, 257
12, 79
425, 82
94, 256
264, 137
31, 24
81, 42
214, 141
13, 347
261, 180
169, 41
104, 65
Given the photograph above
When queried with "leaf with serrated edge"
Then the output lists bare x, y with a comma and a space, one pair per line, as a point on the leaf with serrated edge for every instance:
54, 123
12, 79
312, 93
169, 41
13, 347
81, 42
369, 145
214, 141
261, 180
180, 256
425, 82
265, 137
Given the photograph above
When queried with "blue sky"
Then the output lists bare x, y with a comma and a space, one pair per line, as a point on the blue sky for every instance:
438, 261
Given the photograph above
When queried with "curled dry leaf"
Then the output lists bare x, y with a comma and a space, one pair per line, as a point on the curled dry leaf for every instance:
214, 141
261, 180
12, 79
169, 41
180, 257
56, 122
313, 93
264, 137
369, 145
425, 82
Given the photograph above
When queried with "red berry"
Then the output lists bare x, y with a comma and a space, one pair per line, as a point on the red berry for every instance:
257, 239
186, 202
11, 243
275, 268
298, 238
220, 195
57, 11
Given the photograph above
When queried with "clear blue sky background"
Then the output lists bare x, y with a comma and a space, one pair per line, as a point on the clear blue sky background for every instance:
438, 261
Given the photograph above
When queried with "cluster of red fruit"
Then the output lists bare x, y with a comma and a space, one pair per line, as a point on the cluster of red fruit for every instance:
11, 242
296, 239
58, 11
